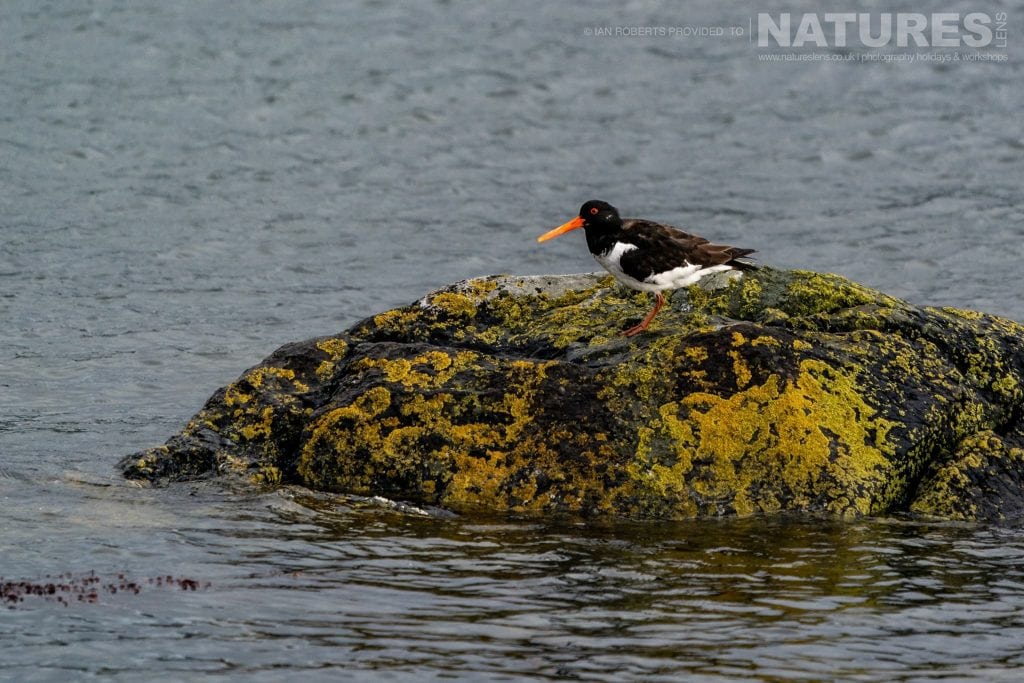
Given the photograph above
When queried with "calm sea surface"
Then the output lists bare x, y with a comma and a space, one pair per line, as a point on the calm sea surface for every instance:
186, 186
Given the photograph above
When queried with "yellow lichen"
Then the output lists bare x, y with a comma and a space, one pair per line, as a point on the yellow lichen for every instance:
698, 297
480, 287
432, 368
256, 378
267, 475
765, 340
336, 349
260, 429
233, 395
454, 303
809, 441
809, 293
962, 313
695, 354
957, 490
740, 368
470, 462
749, 297
396, 319
247, 415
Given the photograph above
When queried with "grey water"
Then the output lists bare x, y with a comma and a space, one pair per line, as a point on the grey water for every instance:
186, 186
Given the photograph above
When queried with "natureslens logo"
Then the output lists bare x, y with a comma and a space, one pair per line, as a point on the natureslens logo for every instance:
850, 37
885, 29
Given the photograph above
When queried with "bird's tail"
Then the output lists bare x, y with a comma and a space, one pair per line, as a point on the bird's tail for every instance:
739, 260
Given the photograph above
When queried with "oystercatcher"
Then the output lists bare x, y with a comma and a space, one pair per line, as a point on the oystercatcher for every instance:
649, 256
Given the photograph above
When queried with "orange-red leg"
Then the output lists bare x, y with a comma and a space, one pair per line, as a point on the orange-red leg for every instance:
659, 301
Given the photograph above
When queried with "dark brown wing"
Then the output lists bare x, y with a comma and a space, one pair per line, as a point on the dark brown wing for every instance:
662, 247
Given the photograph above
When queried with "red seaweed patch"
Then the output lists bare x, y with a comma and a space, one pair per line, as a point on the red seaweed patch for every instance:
70, 588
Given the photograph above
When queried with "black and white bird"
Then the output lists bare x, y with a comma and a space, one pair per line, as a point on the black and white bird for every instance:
649, 256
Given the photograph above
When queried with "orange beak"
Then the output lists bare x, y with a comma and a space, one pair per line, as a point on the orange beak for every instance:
562, 229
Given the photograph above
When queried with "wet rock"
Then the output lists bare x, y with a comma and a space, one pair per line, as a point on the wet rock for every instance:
780, 390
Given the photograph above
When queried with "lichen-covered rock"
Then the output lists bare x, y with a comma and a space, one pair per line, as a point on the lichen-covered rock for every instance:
782, 390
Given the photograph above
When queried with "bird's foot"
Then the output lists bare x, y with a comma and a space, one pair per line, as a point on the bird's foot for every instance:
659, 301
636, 329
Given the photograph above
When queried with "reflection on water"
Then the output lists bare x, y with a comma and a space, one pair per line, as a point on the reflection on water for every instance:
333, 585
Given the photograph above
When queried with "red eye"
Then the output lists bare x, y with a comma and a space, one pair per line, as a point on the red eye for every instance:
593, 211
